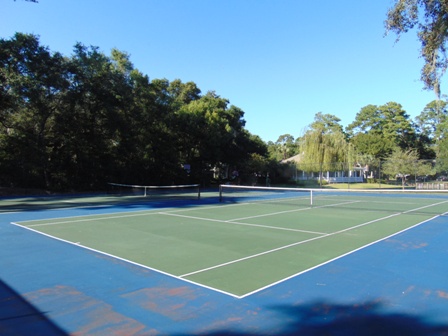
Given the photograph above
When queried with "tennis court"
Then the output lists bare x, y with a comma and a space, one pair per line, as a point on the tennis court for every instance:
264, 261
253, 239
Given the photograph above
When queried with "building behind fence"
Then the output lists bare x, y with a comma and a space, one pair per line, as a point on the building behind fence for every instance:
372, 172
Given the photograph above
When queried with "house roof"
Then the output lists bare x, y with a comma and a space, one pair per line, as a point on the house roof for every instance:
293, 159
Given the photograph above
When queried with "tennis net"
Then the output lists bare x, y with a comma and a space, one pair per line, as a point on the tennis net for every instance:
188, 191
433, 202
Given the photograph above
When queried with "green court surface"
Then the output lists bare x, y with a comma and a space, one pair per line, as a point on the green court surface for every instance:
248, 242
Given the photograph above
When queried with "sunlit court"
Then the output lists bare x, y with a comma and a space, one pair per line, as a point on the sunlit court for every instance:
243, 240
223, 168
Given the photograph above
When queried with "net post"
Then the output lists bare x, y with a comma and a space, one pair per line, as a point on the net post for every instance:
311, 197
145, 192
220, 193
199, 192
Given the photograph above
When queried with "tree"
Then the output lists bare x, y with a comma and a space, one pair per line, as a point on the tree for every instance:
283, 148
397, 127
327, 122
377, 130
81, 121
211, 132
442, 153
322, 145
367, 119
95, 123
183, 93
432, 30
34, 83
431, 119
371, 143
403, 163
432, 129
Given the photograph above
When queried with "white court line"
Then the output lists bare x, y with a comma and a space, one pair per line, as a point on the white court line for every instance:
288, 246
112, 215
57, 209
234, 221
334, 259
366, 200
129, 261
424, 207
243, 224
91, 219
312, 239
253, 292
296, 210
10, 212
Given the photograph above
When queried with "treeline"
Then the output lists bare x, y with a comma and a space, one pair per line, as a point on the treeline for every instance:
78, 122
379, 134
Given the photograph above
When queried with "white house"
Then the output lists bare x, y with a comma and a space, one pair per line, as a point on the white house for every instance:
355, 174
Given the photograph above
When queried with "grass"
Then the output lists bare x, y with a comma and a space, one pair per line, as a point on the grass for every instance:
363, 186
315, 184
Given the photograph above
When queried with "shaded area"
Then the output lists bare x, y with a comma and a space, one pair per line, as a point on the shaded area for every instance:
88, 316
359, 319
42, 203
326, 318
19, 317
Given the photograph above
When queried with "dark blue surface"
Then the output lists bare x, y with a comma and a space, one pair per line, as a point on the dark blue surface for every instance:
398, 286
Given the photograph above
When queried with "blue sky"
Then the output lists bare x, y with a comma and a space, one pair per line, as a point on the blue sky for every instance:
280, 61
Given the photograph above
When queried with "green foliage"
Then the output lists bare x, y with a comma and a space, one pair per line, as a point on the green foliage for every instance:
212, 132
283, 148
431, 119
432, 123
404, 163
79, 122
377, 130
323, 144
326, 123
429, 17
34, 83
442, 152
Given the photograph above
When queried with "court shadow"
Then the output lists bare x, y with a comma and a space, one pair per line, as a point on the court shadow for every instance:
44, 203
367, 319
19, 318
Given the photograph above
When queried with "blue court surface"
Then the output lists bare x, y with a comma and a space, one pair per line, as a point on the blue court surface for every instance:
397, 286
